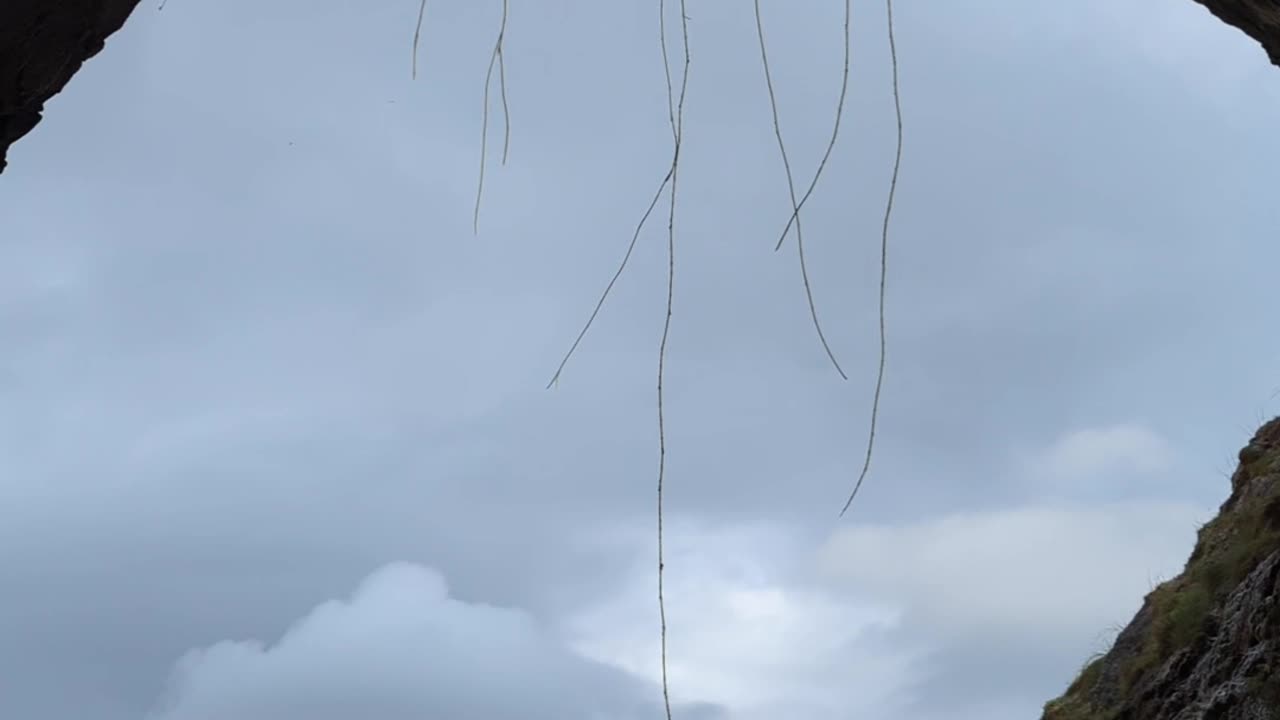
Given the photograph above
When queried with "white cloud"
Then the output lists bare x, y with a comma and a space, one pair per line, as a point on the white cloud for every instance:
1084, 455
1011, 599
1058, 574
402, 648
745, 633
980, 614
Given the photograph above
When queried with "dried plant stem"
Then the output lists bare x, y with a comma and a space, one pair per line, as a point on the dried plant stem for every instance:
791, 188
884, 254
495, 58
676, 112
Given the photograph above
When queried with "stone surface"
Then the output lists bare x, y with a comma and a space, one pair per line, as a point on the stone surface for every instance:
1223, 677
43, 43
1206, 644
1259, 19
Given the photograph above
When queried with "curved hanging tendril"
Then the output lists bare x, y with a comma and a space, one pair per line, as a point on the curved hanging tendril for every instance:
884, 253
495, 58
791, 188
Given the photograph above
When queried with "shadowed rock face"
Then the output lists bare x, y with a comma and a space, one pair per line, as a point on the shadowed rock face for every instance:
1259, 19
43, 43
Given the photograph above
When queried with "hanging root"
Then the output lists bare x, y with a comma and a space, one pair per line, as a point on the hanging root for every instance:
676, 112
622, 266
884, 253
494, 59
791, 186
417, 35
835, 129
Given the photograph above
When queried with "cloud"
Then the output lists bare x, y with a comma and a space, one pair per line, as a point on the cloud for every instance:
967, 615
1010, 601
745, 632
278, 358
401, 647
1059, 572
1120, 448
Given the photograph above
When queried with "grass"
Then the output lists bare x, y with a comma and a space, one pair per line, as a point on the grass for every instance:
1228, 548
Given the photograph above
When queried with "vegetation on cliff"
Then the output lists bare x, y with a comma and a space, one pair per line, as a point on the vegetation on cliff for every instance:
1205, 644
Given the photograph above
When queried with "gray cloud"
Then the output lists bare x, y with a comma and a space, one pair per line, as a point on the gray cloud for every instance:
751, 628
400, 647
1004, 599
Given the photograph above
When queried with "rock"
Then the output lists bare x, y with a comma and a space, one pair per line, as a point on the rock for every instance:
43, 43
1259, 19
1206, 644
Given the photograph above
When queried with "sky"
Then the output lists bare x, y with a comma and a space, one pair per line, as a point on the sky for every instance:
275, 441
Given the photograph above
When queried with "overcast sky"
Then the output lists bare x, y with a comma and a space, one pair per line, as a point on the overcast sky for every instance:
274, 443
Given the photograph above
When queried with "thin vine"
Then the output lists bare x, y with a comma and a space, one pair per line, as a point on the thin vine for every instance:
884, 256
417, 36
835, 131
791, 185
677, 131
495, 58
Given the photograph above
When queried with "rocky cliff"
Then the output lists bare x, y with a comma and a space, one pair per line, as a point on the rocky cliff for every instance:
43, 43
1205, 645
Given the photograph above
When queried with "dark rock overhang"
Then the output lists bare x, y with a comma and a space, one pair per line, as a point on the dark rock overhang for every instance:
1259, 19
43, 43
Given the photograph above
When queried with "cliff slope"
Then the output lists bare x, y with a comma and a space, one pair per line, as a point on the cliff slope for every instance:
43, 43
1206, 644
